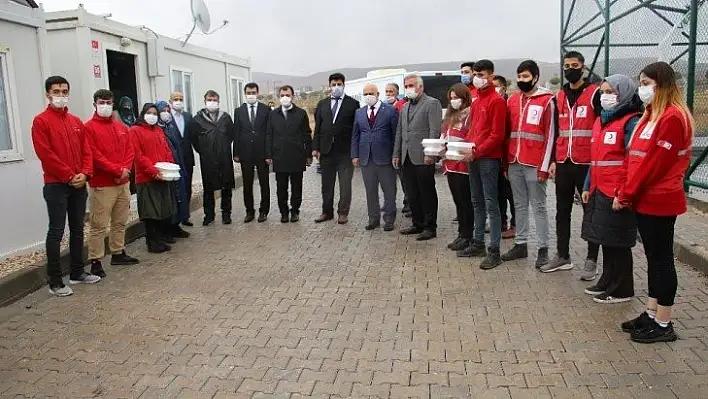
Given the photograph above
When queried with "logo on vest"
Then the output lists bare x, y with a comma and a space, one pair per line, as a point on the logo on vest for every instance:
610, 138
647, 132
533, 116
581, 112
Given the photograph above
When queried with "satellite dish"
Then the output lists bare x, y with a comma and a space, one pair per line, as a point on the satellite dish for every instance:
200, 17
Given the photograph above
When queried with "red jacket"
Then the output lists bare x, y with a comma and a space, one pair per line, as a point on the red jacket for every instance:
657, 159
459, 130
399, 104
473, 93
61, 145
607, 167
150, 147
531, 120
488, 126
112, 150
575, 127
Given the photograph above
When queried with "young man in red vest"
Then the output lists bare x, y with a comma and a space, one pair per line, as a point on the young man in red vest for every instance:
578, 107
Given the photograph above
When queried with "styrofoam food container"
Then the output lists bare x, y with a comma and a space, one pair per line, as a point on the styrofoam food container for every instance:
454, 156
433, 152
453, 139
167, 166
433, 142
459, 146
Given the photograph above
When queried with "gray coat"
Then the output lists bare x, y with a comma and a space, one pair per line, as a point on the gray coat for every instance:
422, 123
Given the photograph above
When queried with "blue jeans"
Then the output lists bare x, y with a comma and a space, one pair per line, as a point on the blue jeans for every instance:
484, 182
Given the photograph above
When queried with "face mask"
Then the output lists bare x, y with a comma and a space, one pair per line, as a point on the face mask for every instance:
104, 110
151, 119
499, 90
390, 99
178, 106
212, 106
59, 101
573, 75
646, 93
165, 116
285, 101
337, 91
456, 103
370, 100
251, 98
479, 82
411, 93
525, 86
608, 101
466, 79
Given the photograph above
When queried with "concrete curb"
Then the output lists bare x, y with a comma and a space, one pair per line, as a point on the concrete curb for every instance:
23, 282
691, 254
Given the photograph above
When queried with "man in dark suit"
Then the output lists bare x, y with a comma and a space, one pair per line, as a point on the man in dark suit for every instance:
182, 119
250, 124
288, 149
334, 120
372, 148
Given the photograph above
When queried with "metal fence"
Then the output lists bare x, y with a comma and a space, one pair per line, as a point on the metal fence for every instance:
622, 36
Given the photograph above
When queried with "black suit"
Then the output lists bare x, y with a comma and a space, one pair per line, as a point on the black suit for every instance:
250, 149
188, 152
333, 138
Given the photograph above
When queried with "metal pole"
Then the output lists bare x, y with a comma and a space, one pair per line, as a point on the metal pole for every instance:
607, 38
691, 75
562, 37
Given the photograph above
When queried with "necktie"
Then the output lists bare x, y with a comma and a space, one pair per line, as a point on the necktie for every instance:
372, 117
334, 108
252, 115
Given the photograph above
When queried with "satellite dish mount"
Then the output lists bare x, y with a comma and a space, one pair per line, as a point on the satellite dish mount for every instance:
200, 17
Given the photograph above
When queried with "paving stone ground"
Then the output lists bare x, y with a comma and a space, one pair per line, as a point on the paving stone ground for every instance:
295, 310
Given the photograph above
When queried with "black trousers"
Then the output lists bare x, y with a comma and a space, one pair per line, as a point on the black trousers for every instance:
65, 202
294, 180
210, 203
658, 240
188, 197
506, 196
462, 196
570, 179
399, 172
249, 169
419, 181
336, 165
617, 272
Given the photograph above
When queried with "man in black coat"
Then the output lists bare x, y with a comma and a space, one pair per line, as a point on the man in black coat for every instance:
211, 135
288, 148
250, 123
334, 121
183, 119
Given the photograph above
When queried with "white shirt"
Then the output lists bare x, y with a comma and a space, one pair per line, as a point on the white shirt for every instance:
285, 110
255, 110
377, 106
179, 121
339, 105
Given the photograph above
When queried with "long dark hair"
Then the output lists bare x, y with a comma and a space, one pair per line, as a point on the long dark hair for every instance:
462, 92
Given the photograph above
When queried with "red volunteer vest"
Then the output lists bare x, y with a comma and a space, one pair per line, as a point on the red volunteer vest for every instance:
575, 125
608, 155
460, 130
527, 142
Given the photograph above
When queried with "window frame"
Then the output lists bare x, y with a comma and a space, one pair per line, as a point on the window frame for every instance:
241, 95
15, 153
189, 100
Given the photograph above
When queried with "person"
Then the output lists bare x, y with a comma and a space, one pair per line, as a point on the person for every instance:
250, 124
392, 93
419, 119
372, 148
211, 133
113, 157
331, 145
506, 196
467, 76
658, 155
488, 135
183, 119
172, 229
454, 128
64, 152
614, 231
578, 107
288, 149
532, 121
156, 201
126, 114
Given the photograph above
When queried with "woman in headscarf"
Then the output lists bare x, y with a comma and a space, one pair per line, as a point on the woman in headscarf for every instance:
156, 202
615, 231
125, 111
174, 140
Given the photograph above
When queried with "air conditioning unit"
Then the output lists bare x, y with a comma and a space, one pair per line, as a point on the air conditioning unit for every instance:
156, 58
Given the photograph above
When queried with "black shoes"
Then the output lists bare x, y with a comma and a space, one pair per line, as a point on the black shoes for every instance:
645, 330
187, 223
518, 251
459, 244
474, 250
284, 218
226, 218
294, 217
372, 225
426, 235
388, 227
178, 232
97, 269
642, 321
122, 259
411, 231
492, 260
157, 247
541, 258
207, 221
249, 217
262, 217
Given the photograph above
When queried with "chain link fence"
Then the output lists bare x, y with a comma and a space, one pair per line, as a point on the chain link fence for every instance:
623, 36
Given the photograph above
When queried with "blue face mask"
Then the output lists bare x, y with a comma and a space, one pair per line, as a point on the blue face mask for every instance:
337, 91
466, 79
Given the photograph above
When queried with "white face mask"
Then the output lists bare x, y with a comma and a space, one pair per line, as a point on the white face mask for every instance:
479, 82
456, 103
60, 101
499, 90
178, 106
608, 101
151, 119
285, 101
390, 99
104, 110
371, 100
165, 116
411, 93
646, 93
212, 106
251, 98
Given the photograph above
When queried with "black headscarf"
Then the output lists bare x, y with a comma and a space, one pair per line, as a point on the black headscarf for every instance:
125, 110
146, 107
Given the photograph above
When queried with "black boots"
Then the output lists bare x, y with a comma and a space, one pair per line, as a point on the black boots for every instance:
154, 237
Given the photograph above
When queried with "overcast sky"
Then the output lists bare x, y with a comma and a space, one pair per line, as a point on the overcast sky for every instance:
308, 36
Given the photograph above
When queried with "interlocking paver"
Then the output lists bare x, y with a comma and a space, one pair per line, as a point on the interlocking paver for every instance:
291, 310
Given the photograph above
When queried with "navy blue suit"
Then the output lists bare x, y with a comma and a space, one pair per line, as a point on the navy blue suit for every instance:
373, 146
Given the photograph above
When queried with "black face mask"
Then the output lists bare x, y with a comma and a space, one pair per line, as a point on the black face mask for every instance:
573, 75
525, 86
